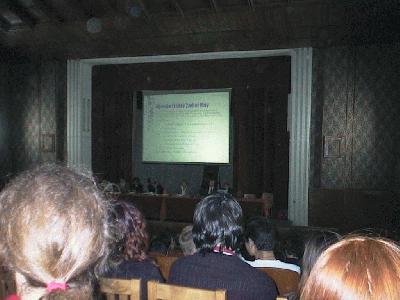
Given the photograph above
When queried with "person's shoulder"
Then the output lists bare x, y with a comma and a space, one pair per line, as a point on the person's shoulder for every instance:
288, 266
259, 263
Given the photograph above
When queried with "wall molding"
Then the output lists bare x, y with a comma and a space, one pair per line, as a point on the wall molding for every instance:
79, 97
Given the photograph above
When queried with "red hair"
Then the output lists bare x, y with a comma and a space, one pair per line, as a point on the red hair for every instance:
357, 267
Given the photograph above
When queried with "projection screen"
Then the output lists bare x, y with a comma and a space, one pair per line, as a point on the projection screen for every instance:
190, 126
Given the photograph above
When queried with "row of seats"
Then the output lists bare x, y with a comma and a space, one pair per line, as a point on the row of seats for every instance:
130, 290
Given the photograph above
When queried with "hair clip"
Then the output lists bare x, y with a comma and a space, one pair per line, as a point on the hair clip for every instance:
52, 286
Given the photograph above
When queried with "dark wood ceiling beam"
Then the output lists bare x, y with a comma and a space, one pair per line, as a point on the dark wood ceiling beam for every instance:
4, 25
21, 13
178, 8
68, 10
252, 5
47, 11
106, 6
145, 10
214, 5
82, 7
79, 7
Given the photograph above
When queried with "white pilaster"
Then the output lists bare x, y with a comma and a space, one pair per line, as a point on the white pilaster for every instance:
79, 115
299, 146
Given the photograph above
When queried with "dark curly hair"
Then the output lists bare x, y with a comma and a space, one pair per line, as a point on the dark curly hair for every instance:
217, 220
133, 240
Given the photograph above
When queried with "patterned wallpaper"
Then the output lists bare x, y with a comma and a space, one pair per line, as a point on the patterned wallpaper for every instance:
357, 91
36, 105
376, 118
25, 114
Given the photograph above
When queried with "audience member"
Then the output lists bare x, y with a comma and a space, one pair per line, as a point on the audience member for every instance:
130, 249
260, 243
217, 234
137, 186
357, 267
186, 241
159, 188
208, 187
227, 188
318, 242
53, 231
150, 186
162, 243
289, 249
183, 189
122, 185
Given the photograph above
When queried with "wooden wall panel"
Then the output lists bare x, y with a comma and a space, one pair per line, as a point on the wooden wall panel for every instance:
355, 99
37, 111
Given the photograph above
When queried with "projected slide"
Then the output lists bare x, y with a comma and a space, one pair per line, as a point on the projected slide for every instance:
186, 126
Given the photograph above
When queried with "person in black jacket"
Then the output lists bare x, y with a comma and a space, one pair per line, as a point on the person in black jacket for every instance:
217, 234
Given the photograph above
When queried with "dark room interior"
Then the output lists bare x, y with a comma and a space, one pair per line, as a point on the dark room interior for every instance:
295, 104
354, 162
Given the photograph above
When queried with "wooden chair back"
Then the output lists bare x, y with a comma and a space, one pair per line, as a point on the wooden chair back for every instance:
126, 289
164, 291
7, 283
286, 280
165, 262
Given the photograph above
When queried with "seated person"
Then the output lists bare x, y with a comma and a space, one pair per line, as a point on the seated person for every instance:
260, 242
122, 185
130, 255
162, 243
290, 248
217, 235
208, 187
186, 241
226, 188
183, 189
159, 188
151, 188
137, 186
357, 267
317, 243
53, 233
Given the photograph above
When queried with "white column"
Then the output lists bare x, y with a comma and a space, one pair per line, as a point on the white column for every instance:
79, 115
299, 149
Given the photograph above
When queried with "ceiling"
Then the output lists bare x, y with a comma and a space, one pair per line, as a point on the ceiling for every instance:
106, 28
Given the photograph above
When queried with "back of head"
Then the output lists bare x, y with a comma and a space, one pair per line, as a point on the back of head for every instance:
262, 233
131, 229
217, 222
186, 240
357, 267
53, 229
317, 243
